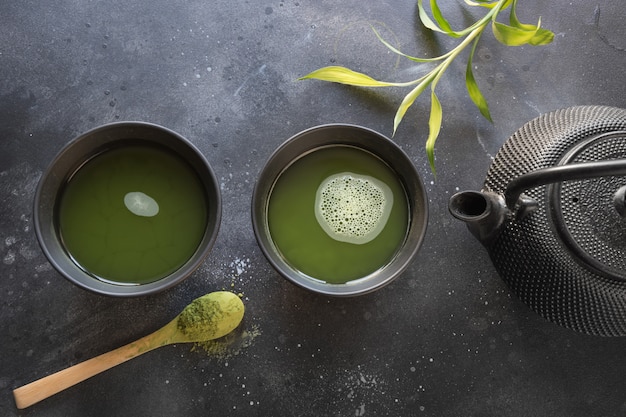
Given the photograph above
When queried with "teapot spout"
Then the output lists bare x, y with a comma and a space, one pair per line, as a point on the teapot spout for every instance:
483, 212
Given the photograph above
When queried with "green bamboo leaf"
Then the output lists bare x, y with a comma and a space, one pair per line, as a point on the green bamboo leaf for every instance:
512, 36
441, 21
482, 3
434, 126
426, 20
506, 3
409, 99
514, 21
490, 4
344, 75
472, 86
542, 37
412, 58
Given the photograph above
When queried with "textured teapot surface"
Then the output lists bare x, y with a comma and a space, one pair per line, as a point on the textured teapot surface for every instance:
567, 258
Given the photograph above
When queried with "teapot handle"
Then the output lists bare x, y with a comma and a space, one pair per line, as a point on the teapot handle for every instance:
577, 171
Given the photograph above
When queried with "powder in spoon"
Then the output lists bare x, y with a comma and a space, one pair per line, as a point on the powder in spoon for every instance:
211, 316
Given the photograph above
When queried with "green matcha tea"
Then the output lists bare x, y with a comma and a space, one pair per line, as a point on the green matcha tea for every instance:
133, 214
338, 214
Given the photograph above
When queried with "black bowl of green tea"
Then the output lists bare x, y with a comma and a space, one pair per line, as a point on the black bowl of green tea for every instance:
339, 210
127, 209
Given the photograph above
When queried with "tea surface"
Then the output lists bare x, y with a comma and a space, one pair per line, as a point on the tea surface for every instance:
301, 240
133, 214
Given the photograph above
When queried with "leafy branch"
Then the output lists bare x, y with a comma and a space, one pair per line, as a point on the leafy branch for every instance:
515, 33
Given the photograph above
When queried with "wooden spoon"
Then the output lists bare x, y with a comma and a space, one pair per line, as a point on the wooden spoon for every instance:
209, 317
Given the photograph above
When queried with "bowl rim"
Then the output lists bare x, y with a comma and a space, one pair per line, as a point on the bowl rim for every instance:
114, 132
279, 161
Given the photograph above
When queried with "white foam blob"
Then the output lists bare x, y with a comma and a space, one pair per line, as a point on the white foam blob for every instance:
353, 208
141, 204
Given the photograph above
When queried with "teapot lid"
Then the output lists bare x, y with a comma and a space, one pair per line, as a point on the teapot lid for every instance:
589, 214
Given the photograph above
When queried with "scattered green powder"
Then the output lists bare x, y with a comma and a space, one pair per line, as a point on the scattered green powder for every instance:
229, 345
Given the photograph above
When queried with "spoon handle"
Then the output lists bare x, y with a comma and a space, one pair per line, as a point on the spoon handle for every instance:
38, 390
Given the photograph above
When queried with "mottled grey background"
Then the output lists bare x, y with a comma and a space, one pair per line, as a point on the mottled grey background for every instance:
446, 339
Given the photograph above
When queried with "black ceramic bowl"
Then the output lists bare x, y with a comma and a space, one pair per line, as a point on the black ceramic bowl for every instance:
342, 135
85, 147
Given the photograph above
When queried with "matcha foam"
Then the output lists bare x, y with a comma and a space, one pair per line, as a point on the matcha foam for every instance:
141, 204
353, 208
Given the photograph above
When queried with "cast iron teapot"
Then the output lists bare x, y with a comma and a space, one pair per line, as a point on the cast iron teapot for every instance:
552, 215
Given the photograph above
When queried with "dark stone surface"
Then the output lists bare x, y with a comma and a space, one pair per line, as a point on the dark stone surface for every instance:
445, 339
